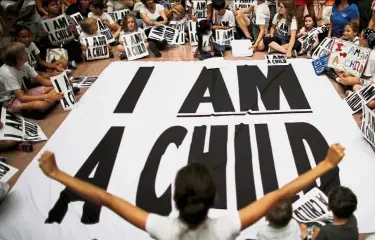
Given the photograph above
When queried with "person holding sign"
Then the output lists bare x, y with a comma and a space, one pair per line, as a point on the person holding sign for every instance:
351, 32
200, 9
343, 12
16, 74
224, 19
97, 12
309, 24
195, 193
152, 14
207, 48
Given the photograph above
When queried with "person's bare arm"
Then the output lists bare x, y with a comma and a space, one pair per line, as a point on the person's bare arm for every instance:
147, 20
256, 210
291, 43
163, 15
48, 65
63, 6
272, 30
217, 27
40, 7
27, 98
43, 81
330, 30
127, 211
16, 7
260, 36
210, 12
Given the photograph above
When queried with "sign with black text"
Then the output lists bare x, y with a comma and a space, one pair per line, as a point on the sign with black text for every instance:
6, 172
179, 25
368, 124
199, 8
58, 29
309, 40
323, 48
224, 36
135, 46
354, 101
239, 4
77, 18
164, 32
119, 15
97, 48
276, 59
192, 32
83, 82
63, 85
104, 30
367, 93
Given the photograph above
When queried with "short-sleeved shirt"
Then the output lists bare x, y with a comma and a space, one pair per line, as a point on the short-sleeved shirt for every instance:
339, 19
225, 227
261, 15
152, 16
290, 232
32, 51
33, 19
104, 16
348, 231
14, 79
369, 71
282, 29
227, 20
199, 7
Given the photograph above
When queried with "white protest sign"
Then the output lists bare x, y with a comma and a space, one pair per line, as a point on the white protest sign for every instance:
164, 32
323, 48
367, 93
241, 48
56, 54
6, 172
104, 30
312, 207
224, 36
83, 82
97, 48
354, 102
17, 128
119, 15
192, 32
368, 124
276, 59
58, 29
308, 41
77, 18
239, 4
199, 8
134, 44
179, 25
62, 85
349, 57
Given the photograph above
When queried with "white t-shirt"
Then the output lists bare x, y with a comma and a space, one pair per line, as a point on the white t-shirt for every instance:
227, 20
13, 79
85, 35
282, 28
115, 5
290, 232
33, 19
104, 16
356, 40
32, 51
152, 16
199, 7
261, 15
163, 228
370, 68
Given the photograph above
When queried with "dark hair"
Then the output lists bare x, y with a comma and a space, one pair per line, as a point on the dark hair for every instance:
98, 4
280, 215
290, 10
203, 27
13, 52
20, 29
144, 2
124, 25
309, 16
194, 193
337, 2
369, 36
45, 3
219, 4
354, 26
342, 202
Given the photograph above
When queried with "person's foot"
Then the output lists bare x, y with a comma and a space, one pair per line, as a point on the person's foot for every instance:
72, 64
123, 56
271, 50
154, 49
4, 189
294, 54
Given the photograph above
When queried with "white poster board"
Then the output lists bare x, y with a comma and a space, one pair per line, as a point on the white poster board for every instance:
119, 15
63, 85
58, 29
276, 59
164, 32
104, 30
199, 9
354, 101
77, 18
192, 32
134, 45
308, 41
96, 48
224, 36
180, 26
240, 4
323, 48
6, 172
82, 82
17, 128
241, 48
348, 57
368, 124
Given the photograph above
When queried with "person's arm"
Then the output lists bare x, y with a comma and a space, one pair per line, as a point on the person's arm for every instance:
163, 15
40, 7
63, 6
291, 43
256, 210
48, 65
272, 30
25, 15
209, 16
27, 98
217, 27
316, 235
146, 19
15, 8
127, 211
43, 81
330, 30
259, 37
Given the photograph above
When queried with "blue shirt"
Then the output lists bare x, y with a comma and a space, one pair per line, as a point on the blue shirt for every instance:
339, 19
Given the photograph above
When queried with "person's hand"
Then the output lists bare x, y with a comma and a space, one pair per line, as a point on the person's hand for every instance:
373, 5
212, 53
84, 48
193, 18
335, 154
53, 95
288, 54
109, 47
58, 68
48, 165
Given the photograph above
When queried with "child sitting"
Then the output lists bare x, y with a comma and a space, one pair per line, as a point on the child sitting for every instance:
351, 32
224, 19
97, 12
207, 48
24, 36
16, 75
309, 24
281, 224
343, 203
130, 26
89, 28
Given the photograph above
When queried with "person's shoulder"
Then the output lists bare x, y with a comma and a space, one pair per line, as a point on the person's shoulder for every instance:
6, 3
90, 14
353, 7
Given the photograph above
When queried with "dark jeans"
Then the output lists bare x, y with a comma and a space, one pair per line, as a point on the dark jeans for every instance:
218, 49
273, 11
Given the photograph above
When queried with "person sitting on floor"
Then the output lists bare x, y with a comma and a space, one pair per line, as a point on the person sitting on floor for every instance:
351, 33
97, 12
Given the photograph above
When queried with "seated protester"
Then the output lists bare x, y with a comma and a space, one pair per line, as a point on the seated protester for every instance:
129, 26
281, 225
194, 13
116, 5
343, 12
223, 18
152, 14
207, 48
24, 36
175, 13
89, 28
43, 12
21, 13
351, 33
80, 6
342, 202
309, 24
73, 47
15, 75
283, 32
24, 146
97, 12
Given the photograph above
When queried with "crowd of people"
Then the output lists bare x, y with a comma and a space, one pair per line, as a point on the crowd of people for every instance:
269, 25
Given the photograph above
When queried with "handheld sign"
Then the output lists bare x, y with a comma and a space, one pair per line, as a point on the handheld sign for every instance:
77, 18
6, 172
320, 64
354, 102
62, 85
224, 36
96, 48
239, 4
134, 44
199, 9
164, 32
276, 59
104, 30
17, 128
58, 29
119, 15
348, 57
241, 48
192, 32
83, 82
180, 26
323, 48
368, 124
309, 40
367, 93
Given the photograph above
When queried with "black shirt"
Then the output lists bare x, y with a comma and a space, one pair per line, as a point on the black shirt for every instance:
74, 8
348, 231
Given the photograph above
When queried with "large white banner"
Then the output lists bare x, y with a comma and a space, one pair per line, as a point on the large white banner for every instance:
256, 127
58, 29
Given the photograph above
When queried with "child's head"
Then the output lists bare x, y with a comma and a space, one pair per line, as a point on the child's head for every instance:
287, 10
89, 25
367, 38
195, 193
203, 27
280, 215
24, 35
129, 23
308, 22
148, 3
52, 7
97, 7
342, 202
219, 7
178, 12
15, 55
351, 31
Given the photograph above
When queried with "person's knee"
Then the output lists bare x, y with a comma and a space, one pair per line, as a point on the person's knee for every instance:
120, 48
41, 105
